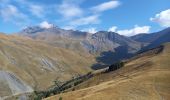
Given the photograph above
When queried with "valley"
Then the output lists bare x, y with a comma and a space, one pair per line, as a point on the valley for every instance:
145, 77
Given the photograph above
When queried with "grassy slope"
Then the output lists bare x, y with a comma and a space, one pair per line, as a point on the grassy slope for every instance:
23, 57
145, 77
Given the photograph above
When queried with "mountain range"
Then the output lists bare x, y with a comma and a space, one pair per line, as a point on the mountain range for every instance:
35, 57
153, 39
98, 43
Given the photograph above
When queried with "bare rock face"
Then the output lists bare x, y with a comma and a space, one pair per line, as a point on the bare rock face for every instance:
109, 41
12, 85
46, 64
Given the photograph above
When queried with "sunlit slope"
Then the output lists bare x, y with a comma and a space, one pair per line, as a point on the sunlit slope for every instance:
37, 64
144, 77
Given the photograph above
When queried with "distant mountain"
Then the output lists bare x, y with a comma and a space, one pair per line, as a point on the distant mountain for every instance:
100, 44
114, 40
96, 43
154, 39
148, 38
50, 34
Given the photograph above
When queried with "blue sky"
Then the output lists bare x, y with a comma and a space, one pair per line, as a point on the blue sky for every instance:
127, 17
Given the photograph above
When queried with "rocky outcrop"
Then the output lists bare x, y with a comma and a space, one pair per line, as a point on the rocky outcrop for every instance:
12, 85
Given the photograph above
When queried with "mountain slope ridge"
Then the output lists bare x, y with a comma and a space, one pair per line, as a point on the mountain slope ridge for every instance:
39, 64
145, 77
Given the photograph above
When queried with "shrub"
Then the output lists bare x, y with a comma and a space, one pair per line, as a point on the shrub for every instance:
116, 66
60, 98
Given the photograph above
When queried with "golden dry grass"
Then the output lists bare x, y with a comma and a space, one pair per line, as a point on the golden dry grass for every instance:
147, 77
23, 57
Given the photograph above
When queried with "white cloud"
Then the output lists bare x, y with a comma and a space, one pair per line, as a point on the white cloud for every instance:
94, 19
68, 28
112, 29
45, 24
90, 30
69, 9
14, 11
130, 32
74, 14
8, 12
37, 10
163, 18
11, 13
106, 6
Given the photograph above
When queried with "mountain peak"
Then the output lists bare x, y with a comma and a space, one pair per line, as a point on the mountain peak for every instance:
32, 29
47, 25
39, 28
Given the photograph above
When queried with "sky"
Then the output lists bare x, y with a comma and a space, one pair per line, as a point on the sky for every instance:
126, 17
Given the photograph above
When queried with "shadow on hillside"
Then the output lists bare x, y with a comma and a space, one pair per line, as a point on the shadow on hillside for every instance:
109, 57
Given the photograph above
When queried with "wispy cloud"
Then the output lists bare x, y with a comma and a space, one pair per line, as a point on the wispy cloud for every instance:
130, 32
94, 19
37, 10
68, 27
106, 6
91, 30
69, 9
162, 18
112, 29
68, 12
21, 15
79, 17
12, 14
